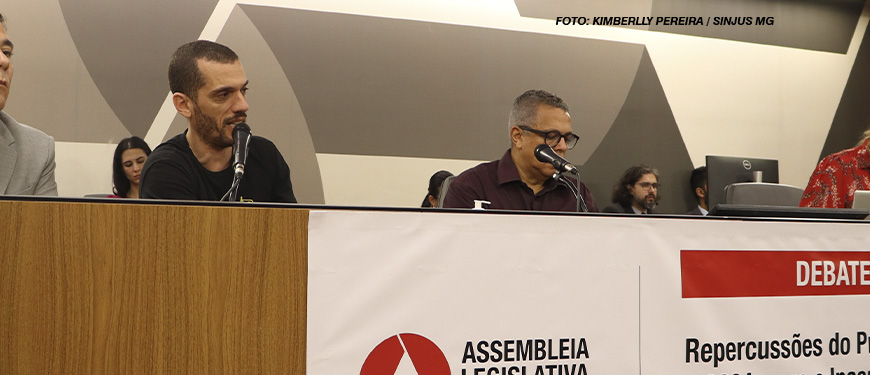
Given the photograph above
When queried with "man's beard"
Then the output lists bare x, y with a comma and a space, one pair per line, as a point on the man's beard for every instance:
649, 205
211, 130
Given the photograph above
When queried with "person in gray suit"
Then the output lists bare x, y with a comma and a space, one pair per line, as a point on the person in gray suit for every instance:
26, 154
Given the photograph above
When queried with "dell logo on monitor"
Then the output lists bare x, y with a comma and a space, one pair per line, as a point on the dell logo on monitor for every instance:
747, 165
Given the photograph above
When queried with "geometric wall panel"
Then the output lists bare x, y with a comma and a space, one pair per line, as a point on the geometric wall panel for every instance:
387, 87
645, 132
853, 114
126, 46
51, 88
551, 9
825, 26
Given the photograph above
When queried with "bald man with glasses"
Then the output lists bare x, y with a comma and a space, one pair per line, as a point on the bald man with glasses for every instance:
518, 181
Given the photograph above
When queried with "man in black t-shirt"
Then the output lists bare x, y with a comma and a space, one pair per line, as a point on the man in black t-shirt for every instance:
208, 87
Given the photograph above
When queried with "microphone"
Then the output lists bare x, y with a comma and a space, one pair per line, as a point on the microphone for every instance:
545, 154
241, 137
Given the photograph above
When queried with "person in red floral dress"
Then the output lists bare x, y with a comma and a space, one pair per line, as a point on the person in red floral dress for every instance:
838, 176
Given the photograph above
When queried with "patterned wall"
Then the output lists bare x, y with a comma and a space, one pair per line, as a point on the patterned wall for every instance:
365, 101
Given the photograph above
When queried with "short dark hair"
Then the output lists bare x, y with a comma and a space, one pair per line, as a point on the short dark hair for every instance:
3, 20
184, 74
525, 109
698, 179
119, 178
621, 191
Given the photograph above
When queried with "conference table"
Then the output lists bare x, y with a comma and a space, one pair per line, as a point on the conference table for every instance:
115, 286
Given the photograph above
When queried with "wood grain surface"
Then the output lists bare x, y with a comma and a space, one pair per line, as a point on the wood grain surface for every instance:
107, 288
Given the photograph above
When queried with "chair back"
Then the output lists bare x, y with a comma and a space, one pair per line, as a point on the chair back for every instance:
443, 193
762, 193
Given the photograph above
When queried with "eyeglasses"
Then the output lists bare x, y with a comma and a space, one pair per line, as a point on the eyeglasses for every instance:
553, 137
648, 185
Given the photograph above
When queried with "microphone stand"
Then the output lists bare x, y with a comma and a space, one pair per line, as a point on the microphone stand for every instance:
581, 203
234, 190
232, 195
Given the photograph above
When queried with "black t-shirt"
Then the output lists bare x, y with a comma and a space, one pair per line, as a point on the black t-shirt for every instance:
172, 172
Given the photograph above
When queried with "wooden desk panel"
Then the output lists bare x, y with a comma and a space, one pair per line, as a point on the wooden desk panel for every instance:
102, 288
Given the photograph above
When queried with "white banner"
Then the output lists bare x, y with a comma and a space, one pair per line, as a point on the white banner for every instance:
492, 294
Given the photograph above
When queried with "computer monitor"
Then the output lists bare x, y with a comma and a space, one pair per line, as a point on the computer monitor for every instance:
726, 170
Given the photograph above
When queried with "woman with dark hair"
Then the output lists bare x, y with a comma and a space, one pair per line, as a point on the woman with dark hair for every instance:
130, 156
435, 182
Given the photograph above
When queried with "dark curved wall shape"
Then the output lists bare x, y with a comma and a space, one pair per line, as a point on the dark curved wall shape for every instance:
807, 24
853, 113
644, 133
126, 46
377, 86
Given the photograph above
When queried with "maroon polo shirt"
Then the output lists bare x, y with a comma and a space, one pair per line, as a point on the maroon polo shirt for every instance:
499, 183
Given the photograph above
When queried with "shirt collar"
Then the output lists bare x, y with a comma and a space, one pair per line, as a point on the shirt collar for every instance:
507, 170
507, 173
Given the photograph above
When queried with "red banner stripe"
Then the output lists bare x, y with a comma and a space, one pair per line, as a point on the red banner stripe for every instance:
732, 273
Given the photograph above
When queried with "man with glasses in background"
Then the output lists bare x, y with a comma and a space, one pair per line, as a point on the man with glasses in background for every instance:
637, 192
518, 181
